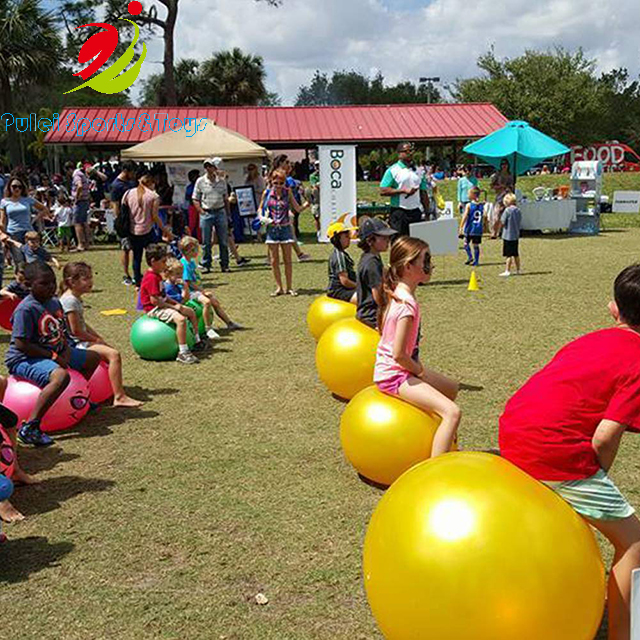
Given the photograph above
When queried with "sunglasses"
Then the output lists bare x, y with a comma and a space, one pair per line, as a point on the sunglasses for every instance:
16, 186
427, 267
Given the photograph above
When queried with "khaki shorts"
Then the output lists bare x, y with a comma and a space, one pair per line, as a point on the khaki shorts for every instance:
165, 315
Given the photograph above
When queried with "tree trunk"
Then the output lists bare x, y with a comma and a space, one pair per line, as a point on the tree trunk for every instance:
6, 106
169, 97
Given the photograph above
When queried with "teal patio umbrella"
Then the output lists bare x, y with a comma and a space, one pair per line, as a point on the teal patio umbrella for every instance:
518, 143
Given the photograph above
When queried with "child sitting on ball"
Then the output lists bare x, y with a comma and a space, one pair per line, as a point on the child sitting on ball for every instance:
397, 372
39, 351
156, 304
564, 427
16, 289
9, 467
342, 273
77, 280
192, 283
374, 236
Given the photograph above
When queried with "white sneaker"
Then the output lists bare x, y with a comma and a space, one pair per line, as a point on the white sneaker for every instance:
505, 274
212, 334
234, 326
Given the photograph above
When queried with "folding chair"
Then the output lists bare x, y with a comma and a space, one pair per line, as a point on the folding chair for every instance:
49, 233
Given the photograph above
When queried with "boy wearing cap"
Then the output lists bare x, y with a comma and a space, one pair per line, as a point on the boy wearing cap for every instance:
374, 239
210, 198
342, 273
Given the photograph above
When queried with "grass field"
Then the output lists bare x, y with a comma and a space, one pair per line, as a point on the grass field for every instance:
166, 522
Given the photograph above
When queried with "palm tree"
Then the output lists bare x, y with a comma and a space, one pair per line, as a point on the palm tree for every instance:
29, 49
233, 78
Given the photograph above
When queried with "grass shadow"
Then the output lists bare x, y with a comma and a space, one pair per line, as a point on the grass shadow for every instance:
311, 292
5, 338
147, 395
98, 425
339, 399
446, 283
470, 387
50, 494
37, 460
375, 485
534, 273
21, 558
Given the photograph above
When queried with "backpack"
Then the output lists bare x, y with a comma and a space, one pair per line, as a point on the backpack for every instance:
122, 223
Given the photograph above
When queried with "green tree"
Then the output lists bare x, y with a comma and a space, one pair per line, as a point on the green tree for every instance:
228, 78
556, 91
352, 87
29, 49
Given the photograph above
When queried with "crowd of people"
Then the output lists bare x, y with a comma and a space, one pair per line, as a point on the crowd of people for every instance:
563, 426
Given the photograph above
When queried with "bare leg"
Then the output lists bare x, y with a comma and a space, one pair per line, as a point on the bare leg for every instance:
181, 328
82, 240
233, 247
354, 298
58, 382
624, 535
190, 314
275, 267
207, 313
125, 263
423, 395
517, 261
114, 360
288, 266
220, 312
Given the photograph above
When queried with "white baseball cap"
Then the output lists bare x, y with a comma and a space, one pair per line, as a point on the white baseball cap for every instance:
215, 162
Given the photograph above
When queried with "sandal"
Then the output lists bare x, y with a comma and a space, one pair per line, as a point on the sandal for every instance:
292, 292
277, 292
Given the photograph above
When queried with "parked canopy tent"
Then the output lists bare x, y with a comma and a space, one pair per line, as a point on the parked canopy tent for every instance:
519, 143
210, 140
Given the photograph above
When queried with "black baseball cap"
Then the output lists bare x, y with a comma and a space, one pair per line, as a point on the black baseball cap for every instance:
374, 227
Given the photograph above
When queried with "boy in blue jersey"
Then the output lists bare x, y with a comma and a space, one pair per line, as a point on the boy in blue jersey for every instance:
472, 227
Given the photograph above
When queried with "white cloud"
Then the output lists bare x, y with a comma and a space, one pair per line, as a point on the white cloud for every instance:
441, 37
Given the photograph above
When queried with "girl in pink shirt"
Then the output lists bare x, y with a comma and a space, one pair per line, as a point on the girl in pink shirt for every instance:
396, 372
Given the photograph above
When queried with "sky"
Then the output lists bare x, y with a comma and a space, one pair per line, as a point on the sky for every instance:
403, 39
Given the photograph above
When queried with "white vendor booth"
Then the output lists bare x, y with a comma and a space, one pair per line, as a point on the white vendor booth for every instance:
578, 213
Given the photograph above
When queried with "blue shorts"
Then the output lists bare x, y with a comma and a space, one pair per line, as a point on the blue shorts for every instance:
279, 234
38, 370
81, 212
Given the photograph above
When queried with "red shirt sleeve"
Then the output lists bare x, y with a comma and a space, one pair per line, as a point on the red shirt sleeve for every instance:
624, 407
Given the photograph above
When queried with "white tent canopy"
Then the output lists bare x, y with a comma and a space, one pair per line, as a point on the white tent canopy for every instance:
210, 140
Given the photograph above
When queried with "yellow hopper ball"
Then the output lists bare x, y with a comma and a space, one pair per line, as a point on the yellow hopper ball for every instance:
345, 357
383, 436
468, 547
324, 311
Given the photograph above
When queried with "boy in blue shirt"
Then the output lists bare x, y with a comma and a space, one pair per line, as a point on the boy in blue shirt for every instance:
466, 182
472, 227
39, 351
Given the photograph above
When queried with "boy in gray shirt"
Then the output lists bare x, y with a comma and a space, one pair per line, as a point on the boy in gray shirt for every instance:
510, 222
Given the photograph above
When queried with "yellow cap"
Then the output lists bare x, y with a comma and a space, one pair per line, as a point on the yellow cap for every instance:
337, 227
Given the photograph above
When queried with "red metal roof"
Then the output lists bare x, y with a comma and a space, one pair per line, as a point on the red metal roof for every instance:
271, 126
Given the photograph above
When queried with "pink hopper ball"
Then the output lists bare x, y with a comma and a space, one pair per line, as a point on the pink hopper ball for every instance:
100, 389
7, 307
66, 411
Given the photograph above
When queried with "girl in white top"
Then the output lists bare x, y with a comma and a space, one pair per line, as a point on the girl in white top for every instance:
77, 279
396, 372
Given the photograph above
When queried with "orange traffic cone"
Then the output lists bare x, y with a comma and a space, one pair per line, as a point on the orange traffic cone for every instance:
473, 282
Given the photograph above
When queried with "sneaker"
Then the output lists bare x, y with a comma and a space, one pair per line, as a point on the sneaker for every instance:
243, 261
469, 262
30, 433
187, 358
226, 270
304, 257
234, 326
127, 281
200, 346
216, 258
505, 274
212, 334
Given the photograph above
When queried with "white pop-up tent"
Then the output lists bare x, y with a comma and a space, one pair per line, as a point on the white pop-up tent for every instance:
190, 145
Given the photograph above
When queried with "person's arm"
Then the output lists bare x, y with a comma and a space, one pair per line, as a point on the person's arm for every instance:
606, 441
53, 262
389, 186
196, 199
465, 215
345, 281
3, 219
166, 230
42, 211
403, 332
32, 350
293, 203
73, 320
5, 293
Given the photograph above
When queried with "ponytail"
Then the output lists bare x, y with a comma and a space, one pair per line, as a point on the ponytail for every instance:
71, 272
404, 251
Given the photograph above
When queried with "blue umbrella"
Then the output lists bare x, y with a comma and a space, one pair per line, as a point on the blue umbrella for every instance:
518, 143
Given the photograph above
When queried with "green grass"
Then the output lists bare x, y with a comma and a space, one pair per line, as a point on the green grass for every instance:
166, 522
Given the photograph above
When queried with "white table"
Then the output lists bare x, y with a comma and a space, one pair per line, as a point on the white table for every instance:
547, 214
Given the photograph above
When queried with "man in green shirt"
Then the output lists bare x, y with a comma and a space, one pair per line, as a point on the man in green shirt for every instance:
408, 191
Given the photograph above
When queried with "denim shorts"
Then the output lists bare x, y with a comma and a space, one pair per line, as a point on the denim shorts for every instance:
81, 212
596, 497
279, 234
39, 370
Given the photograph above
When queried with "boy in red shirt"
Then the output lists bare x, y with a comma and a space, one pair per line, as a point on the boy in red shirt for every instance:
564, 428
157, 305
